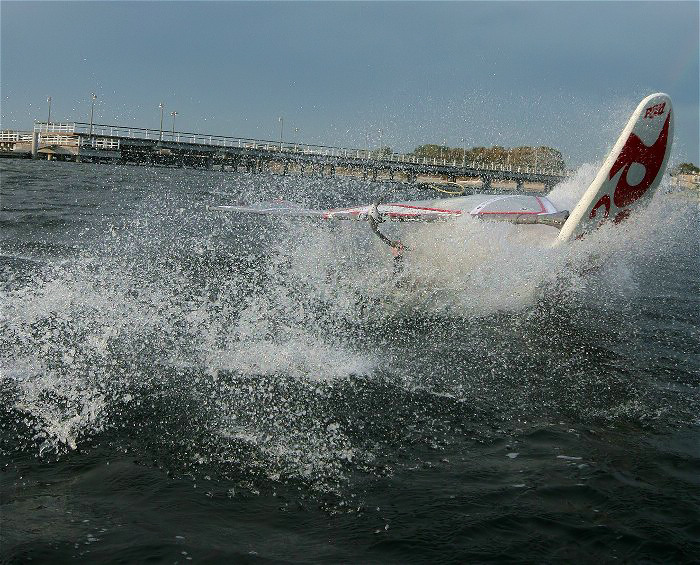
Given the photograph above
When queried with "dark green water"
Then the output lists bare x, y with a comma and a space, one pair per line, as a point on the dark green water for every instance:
183, 385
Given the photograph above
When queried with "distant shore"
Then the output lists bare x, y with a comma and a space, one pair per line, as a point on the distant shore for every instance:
686, 181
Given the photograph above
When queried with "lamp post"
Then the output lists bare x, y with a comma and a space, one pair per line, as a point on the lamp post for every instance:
464, 154
281, 121
160, 134
92, 110
48, 120
380, 143
173, 114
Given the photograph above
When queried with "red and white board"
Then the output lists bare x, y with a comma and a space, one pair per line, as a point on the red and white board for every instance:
632, 171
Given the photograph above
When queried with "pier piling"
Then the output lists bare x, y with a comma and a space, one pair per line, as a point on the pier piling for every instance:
35, 145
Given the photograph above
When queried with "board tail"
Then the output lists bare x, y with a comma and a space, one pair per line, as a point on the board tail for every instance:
631, 172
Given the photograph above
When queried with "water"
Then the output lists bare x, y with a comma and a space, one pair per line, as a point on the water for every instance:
184, 385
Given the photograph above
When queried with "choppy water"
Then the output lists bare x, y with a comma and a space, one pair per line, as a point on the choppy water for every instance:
184, 385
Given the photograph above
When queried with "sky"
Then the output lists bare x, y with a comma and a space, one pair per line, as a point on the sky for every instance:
352, 74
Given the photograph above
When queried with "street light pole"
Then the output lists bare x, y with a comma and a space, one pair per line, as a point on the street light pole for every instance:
92, 110
380, 143
48, 120
464, 154
173, 114
281, 121
160, 134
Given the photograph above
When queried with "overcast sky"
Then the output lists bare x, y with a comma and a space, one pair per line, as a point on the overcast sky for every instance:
564, 74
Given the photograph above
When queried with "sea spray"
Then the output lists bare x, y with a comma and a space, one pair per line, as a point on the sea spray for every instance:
275, 350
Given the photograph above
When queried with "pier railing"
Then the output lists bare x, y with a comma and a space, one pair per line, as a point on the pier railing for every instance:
61, 134
104, 136
8, 135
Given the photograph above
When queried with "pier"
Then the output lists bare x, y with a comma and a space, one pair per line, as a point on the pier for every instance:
81, 142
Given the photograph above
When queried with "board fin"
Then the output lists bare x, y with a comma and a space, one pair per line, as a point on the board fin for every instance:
631, 172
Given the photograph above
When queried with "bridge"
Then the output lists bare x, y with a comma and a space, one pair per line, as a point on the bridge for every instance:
82, 142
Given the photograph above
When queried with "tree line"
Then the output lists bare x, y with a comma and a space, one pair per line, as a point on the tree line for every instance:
542, 157
685, 169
